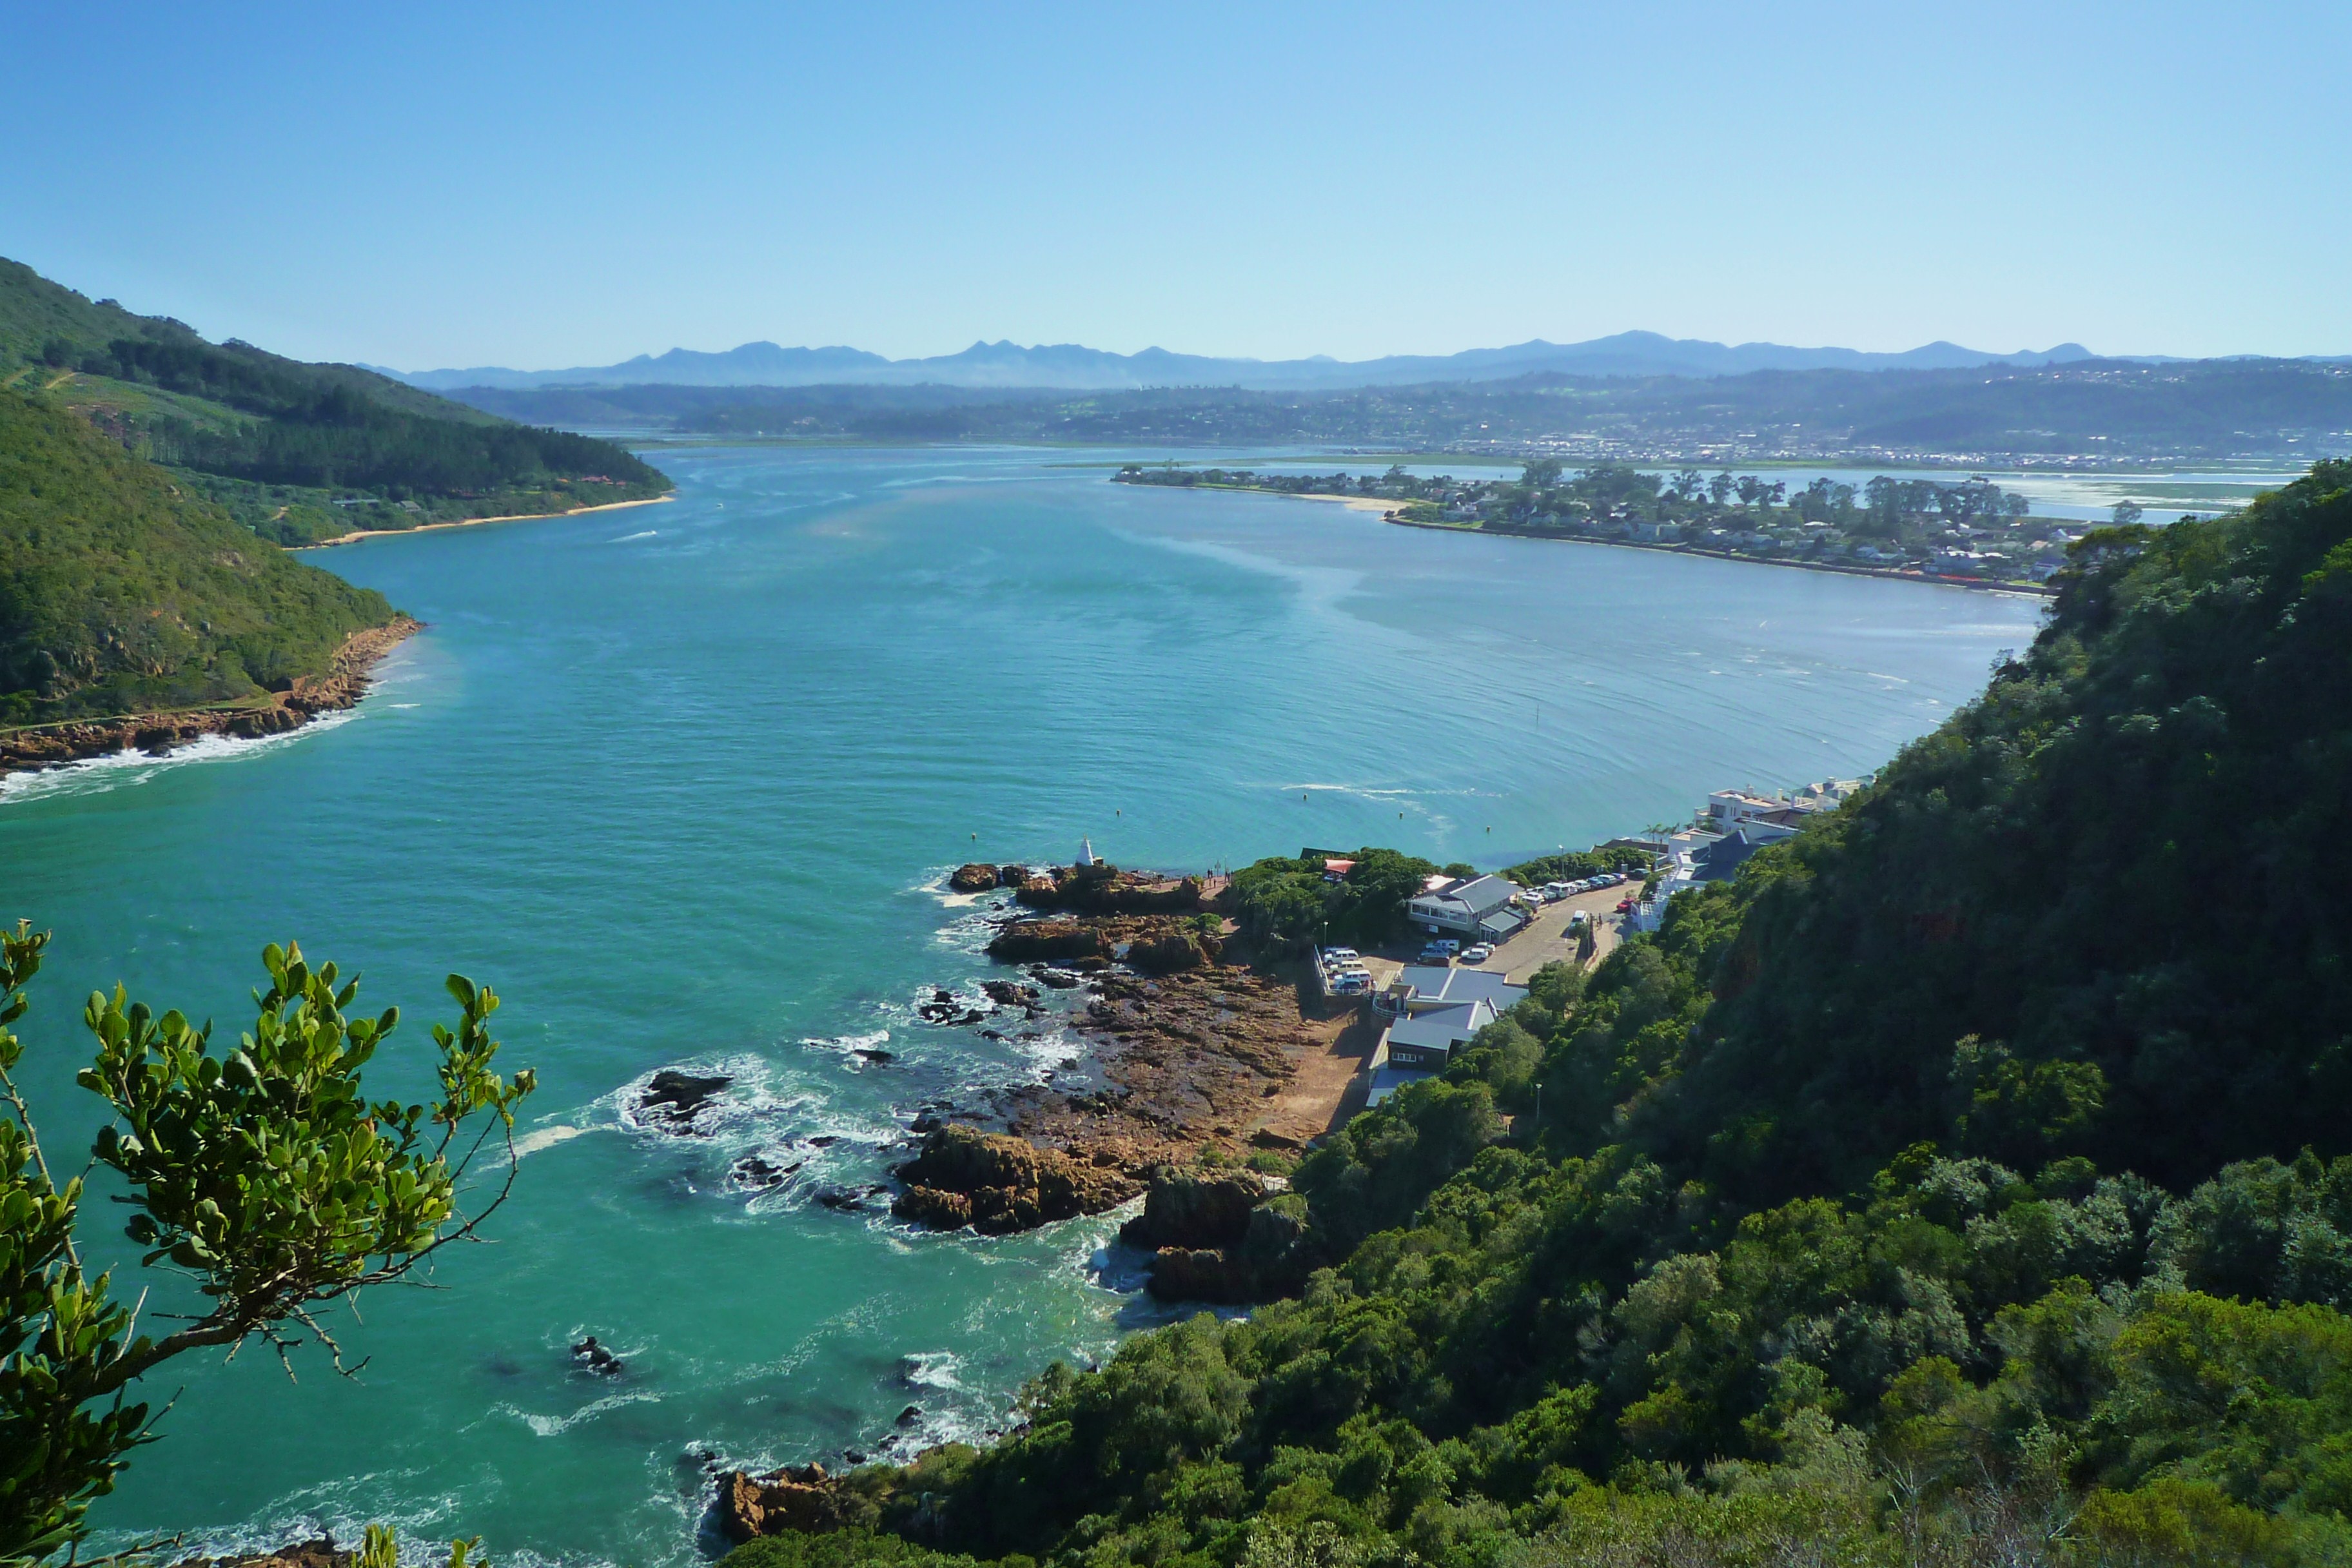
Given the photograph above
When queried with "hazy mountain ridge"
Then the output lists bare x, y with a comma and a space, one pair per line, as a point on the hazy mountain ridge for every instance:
2119, 410
1073, 367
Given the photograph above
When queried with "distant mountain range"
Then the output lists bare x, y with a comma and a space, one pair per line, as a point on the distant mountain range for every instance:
1071, 367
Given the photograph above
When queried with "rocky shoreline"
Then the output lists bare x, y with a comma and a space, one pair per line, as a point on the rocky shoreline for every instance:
1185, 1043
52, 745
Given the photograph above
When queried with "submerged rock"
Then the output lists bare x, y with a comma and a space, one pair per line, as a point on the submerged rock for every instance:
943, 1008
596, 1358
672, 1097
760, 1173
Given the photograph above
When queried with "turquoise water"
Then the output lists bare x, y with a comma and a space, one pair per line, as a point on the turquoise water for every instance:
682, 782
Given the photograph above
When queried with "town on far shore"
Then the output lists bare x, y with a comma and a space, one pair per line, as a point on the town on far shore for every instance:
1972, 533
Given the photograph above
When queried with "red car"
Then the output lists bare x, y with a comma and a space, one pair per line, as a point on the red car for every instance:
1625, 906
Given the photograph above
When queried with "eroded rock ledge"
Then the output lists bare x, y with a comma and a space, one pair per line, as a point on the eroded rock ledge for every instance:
159, 733
996, 1184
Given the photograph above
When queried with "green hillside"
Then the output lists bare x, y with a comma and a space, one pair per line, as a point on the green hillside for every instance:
120, 592
296, 451
1968, 1182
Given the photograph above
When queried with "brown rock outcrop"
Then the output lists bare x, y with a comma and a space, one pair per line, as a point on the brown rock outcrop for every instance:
1193, 1209
973, 878
802, 1498
997, 1183
1026, 941
1173, 950
1107, 890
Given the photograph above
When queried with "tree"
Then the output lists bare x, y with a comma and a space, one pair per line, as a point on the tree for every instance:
2126, 513
1688, 483
1541, 475
1719, 488
259, 1173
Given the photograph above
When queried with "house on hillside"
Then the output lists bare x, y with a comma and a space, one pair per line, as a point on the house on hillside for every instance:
1419, 1045
1478, 907
1422, 988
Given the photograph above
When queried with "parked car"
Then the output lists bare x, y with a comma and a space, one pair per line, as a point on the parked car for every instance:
1624, 906
1339, 955
1434, 953
1478, 954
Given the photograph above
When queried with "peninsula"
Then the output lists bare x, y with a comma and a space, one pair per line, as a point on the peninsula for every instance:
1970, 535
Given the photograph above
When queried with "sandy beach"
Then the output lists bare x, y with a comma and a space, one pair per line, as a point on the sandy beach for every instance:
358, 534
1353, 504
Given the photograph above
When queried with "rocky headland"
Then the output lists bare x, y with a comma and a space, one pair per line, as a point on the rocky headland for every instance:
1184, 1046
342, 687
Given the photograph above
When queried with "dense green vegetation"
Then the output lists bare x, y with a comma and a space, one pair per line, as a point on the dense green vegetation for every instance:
296, 451
2209, 409
1966, 1182
119, 593
260, 1171
1283, 905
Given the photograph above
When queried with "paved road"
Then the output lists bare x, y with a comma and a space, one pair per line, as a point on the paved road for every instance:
1546, 940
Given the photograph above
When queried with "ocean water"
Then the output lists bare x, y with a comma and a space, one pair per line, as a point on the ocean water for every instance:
682, 782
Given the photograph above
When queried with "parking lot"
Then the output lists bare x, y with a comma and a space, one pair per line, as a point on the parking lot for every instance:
1546, 938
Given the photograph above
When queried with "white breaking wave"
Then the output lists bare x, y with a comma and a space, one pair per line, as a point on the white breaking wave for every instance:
555, 1426
96, 775
549, 1137
641, 533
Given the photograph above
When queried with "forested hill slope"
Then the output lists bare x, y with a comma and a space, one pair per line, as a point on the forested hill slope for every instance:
2102, 911
296, 451
121, 593
1967, 1183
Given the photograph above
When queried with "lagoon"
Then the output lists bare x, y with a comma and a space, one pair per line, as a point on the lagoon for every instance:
682, 782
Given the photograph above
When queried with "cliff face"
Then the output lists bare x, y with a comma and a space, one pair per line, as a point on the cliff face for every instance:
1224, 1238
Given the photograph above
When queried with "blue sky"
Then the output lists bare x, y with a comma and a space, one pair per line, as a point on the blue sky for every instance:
427, 186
